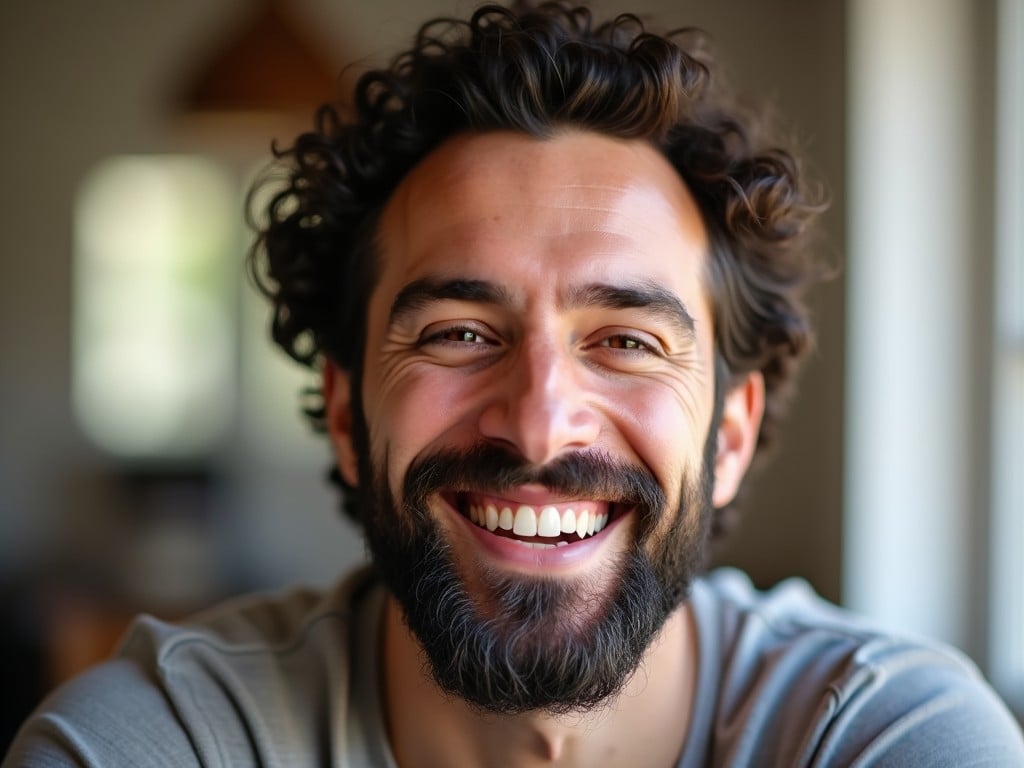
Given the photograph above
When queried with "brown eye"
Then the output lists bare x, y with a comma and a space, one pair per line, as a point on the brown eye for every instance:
458, 335
464, 336
625, 342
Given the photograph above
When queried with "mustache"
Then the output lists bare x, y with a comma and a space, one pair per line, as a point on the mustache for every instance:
488, 467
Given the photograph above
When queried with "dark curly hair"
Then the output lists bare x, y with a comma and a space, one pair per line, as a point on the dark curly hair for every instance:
538, 70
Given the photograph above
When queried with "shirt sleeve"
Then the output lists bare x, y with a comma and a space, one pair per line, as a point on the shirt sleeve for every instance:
915, 707
791, 680
113, 715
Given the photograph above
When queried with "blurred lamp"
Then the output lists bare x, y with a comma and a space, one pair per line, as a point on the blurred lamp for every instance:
266, 64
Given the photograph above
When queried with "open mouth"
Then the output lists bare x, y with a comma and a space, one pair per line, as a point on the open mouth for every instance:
541, 526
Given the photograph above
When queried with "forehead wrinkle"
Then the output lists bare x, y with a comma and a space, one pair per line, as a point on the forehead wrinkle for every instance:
644, 294
428, 290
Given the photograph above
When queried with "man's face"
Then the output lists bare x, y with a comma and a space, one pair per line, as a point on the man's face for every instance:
538, 398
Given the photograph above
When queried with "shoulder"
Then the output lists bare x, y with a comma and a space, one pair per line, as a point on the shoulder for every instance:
115, 714
820, 686
215, 689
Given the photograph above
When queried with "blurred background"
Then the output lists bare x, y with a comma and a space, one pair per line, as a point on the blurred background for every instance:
152, 453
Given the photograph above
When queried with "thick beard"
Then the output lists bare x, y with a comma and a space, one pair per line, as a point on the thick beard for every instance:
522, 645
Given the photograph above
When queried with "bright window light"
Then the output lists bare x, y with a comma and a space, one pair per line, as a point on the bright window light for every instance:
1007, 574
156, 259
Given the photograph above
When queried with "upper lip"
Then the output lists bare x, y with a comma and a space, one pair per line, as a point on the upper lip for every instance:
532, 495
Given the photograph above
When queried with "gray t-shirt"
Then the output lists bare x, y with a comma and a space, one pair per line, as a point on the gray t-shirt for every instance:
785, 679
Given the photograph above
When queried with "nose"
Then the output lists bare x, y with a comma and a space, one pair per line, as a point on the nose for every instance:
541, 408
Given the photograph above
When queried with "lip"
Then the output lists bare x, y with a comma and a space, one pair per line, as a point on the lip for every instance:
508, 552
534, 495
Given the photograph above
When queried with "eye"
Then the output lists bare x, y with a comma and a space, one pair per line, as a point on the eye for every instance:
634, 343
626, 349
624, 341
457, 335
463, 335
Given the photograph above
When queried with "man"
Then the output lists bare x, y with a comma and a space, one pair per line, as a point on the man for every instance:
553, 283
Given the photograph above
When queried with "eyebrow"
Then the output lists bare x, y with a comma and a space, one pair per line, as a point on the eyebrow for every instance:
420, 293
643, 295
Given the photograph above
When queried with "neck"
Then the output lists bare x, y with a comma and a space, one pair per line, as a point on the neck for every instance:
645, 725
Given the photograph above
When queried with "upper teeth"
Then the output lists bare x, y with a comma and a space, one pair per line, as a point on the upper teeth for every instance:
548, 522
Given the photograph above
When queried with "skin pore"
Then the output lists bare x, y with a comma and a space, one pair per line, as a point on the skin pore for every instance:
546, 297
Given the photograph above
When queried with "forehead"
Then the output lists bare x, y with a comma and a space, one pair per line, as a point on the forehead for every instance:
527, 213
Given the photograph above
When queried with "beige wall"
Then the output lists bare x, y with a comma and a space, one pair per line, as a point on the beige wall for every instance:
81, 81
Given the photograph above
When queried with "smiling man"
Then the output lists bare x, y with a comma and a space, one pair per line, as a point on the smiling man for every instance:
553, 284
537, 399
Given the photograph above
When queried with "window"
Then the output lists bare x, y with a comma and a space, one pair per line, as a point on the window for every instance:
1007, 575
922, 553
156, 261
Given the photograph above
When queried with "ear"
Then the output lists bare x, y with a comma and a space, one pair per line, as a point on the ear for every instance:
737, 436
338, 404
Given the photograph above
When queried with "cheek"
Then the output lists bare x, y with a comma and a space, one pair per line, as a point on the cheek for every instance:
666, 429
409, 411
665, 421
